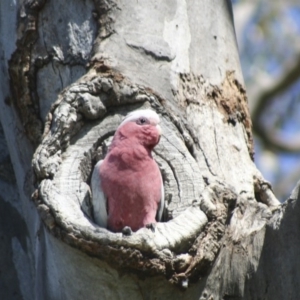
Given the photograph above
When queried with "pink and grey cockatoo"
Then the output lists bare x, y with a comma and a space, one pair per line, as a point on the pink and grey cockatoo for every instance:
127, 185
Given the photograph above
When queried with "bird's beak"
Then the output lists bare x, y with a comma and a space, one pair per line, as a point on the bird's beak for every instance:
159, 130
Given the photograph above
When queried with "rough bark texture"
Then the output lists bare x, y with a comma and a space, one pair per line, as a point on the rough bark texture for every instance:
70, 72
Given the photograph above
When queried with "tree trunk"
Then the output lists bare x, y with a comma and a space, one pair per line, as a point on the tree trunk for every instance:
69, 73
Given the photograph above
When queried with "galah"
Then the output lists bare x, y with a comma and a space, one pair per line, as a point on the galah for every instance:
127, 185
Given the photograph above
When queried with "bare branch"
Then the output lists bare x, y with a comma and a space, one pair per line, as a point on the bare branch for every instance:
264, 99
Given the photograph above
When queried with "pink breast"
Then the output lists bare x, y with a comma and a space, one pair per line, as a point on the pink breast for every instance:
133, 195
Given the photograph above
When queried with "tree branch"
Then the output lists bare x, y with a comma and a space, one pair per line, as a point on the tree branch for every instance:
264, 99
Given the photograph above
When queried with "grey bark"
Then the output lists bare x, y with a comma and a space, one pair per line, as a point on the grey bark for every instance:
70, 72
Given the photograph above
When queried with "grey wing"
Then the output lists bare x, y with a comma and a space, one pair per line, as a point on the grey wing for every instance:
99, 200
161, 206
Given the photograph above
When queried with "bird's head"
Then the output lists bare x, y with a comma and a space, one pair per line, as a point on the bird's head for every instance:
143, 126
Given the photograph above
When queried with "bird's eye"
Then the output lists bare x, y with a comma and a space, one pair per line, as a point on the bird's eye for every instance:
142, 121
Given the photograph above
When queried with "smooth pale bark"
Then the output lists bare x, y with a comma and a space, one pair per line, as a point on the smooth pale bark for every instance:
70, 72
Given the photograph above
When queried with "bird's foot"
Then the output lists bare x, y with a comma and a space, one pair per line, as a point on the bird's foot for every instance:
127, 231
151, 226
